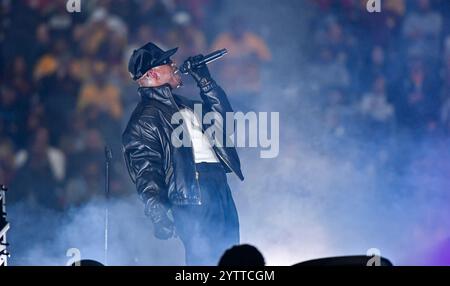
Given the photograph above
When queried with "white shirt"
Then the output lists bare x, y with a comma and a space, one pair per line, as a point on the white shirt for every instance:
203, 151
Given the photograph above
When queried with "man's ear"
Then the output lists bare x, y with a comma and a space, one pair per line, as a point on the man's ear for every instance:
153, 75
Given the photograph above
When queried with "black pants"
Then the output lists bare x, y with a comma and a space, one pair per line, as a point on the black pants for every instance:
209, 229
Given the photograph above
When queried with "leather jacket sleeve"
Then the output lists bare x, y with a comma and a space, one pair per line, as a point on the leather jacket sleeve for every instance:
144, 158
215, 100
214, 97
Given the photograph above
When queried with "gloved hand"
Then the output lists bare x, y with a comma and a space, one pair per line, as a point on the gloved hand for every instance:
163, 226
201, 73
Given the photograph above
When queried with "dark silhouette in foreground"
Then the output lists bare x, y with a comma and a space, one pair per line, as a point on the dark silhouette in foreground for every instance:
87, 262
242, 255
357, 260
248, 255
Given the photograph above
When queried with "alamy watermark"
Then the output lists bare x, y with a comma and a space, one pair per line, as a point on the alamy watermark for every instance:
252, 129
373, 6
73, 6
75, 257
375, 257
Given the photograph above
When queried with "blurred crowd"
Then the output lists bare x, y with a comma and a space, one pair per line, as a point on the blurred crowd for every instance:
389, 70
66, 92
383, 79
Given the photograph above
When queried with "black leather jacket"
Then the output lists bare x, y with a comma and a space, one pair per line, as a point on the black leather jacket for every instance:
164, 174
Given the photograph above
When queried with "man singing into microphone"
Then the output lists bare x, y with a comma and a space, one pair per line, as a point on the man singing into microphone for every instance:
185, 188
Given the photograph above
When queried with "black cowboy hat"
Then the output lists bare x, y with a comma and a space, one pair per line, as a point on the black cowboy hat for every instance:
146, 58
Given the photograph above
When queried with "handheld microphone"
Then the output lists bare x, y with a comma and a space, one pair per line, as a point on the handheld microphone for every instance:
199, 60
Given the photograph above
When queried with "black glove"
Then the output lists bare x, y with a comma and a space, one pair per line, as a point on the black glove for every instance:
163, 226
200, 73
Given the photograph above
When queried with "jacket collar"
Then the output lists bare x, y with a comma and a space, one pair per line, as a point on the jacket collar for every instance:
164, 95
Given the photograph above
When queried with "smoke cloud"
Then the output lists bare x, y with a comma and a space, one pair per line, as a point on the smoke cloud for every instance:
323, 195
